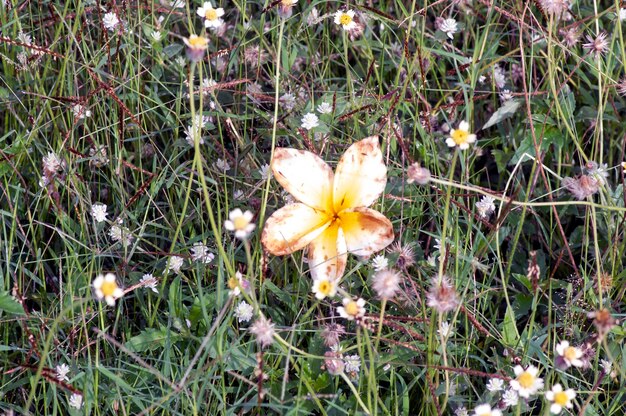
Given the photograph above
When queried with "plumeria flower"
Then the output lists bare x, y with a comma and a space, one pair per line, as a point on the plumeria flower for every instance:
345, 19
570, 355
324, 288
105, 287
211, 16
461, 137
196, 47
352, 309
526, 382
486, 410
560, 399
240, 222
331, 217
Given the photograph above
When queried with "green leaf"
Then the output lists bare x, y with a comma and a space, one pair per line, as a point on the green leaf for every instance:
509, 330
10, 305
507, 110
152, 339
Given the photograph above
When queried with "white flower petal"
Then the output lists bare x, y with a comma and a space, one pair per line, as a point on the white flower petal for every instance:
305, 176
291, 228
361, 175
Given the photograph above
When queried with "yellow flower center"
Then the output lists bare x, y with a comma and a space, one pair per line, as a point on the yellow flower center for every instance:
570, 353
108, 288
325, 287
560, 398
210, 14
240, 223
459, 136
197, 42
526, 380
233, 283
345, 19
352, 308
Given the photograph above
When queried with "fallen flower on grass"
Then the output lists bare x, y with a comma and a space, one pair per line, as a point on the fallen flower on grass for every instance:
332, 217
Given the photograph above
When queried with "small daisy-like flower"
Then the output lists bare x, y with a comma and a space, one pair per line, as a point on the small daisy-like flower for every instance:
235, 284
201, 253
560, 399
190, 136
352, 309
51, 164
324, 108
212, 17
600, 172
288, 101
442, 296
485, 207
62, 370
331, 334
495, 384
238, 194
461, 137
345, 19
264, 171
449, 27
499, 78
526, 382
486, 410
196, 47
334, 363
445, 329
352, 364
156, 35
175, 263
99, 212
105, 287
570, 355
110, 21
510, 398
285, 8
418, 174
221, 164
119, 233
240, 222
597, 46
80, 111
76, 401
243, 312
310, 121
263, 329
622, 14
386, 283
380, 262
324, 287
149, 282
461, 411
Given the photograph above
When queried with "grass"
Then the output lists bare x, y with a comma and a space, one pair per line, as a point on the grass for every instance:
544, 267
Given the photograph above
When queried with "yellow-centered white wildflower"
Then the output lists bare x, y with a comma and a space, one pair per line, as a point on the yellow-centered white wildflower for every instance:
332, 216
